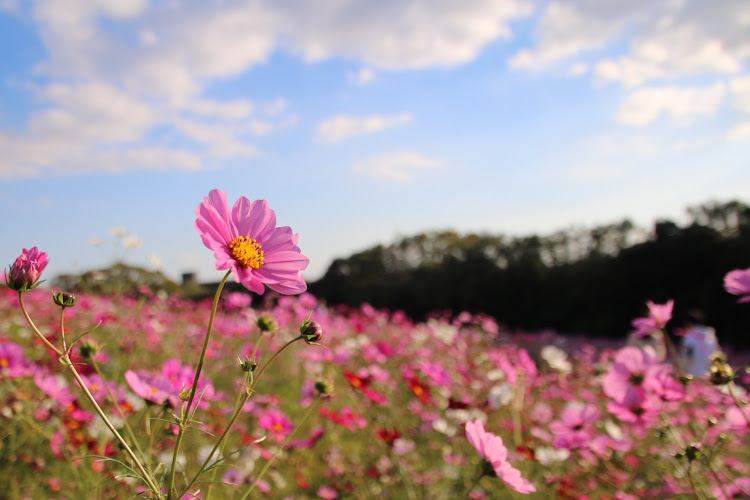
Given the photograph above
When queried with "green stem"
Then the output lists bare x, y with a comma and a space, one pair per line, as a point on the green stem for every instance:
236, 414
673, 351
62, 329
281, 448
187, 416
141, 470
239, 402
517, 409
34, 328
113, 400
65, 359
475, 483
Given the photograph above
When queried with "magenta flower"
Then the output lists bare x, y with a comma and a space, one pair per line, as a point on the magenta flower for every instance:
737, 282
658, 316
248, 242
493, 452
26, 270
277, 423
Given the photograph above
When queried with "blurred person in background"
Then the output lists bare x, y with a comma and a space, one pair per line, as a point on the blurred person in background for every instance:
698, 344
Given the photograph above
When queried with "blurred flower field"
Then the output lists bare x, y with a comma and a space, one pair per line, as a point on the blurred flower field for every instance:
393, 425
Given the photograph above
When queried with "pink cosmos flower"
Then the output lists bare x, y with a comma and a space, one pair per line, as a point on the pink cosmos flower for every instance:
181, 378
26, 270
493, 451
155, 389
13, 361
247, 241
632, 370
575, 430
638, 408
737, 282
276, 422
658, 316
327, 492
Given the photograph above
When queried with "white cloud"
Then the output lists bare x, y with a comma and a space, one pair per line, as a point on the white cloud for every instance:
578, 69
399, 34
340, 127
235, 110
395, 167
740, 88
676, 51
365, 76
657, 40
116, 71
569, 28
9, 5
92, 112
646, 104
740, 132
222, 141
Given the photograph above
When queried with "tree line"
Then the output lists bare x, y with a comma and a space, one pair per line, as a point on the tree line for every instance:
582, 280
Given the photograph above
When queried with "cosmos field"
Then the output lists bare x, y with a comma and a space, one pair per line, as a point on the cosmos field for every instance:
392, 420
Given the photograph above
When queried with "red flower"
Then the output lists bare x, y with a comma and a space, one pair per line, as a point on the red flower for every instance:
388, 437
419, 389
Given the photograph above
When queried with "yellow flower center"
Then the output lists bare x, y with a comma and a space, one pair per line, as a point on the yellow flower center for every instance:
246, 251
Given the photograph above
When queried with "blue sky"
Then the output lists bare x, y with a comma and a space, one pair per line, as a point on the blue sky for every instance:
359, 121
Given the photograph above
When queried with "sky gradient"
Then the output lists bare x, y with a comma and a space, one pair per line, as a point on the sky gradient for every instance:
359, 121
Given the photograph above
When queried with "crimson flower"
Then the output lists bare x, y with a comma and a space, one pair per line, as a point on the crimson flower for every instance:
419, 389
247, 241
362, 384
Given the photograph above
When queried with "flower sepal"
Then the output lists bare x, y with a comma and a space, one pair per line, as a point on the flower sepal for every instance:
65, 299
311, 332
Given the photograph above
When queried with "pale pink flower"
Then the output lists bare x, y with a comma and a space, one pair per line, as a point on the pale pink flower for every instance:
327, 492
493, 451
247, 241
155, 389
737, 282
632, 369
638, 408
576, 429
26, 270
658, 316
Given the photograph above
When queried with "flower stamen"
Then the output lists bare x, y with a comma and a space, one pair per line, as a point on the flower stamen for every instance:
246, 251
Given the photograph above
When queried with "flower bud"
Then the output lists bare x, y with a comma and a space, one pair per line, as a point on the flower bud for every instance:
65, 299
25, 272
267, 324
247, 364
721, 372
88, 349
324, 387
184, 394
692, 452
311, 331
